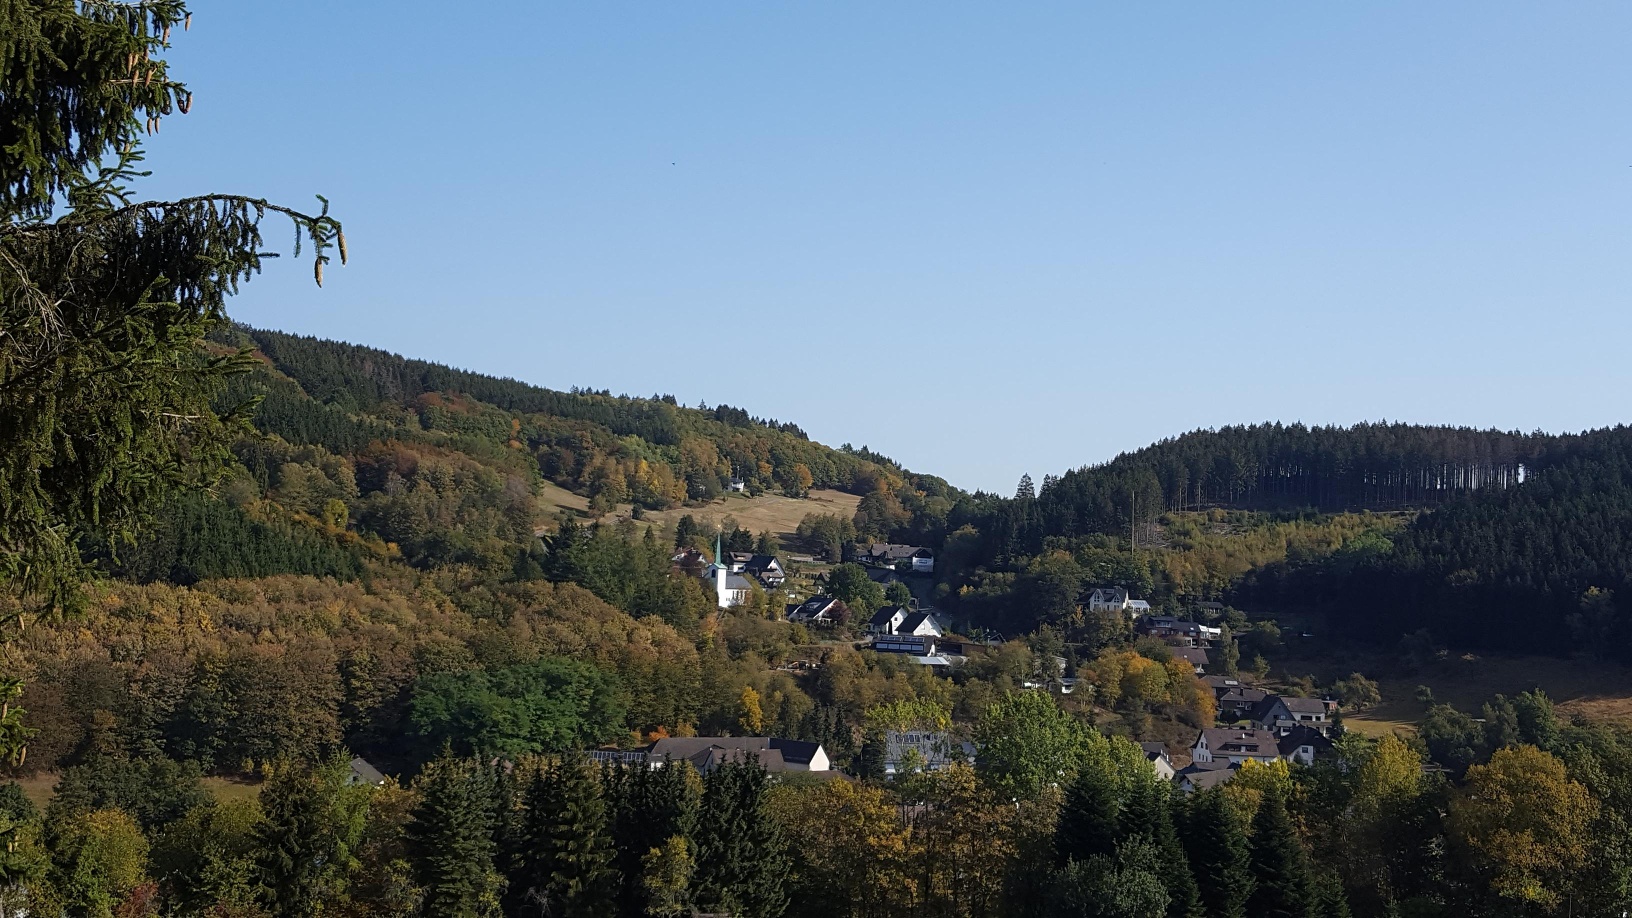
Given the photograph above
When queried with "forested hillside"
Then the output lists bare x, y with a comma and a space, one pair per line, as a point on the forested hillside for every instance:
1487, 539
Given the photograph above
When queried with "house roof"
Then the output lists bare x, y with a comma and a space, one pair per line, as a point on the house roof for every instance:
911, 622
1154, 751
1203, 775
364, 773
1222, 683
773, 753
1304, 705
895, 552
813, 607
1228, 740
1195, 656
883, 616
760, 563
1302, 735
1242, 695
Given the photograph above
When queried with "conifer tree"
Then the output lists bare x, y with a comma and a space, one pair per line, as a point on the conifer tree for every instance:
1147, 815
104, 387
564, 868
311, 824
452, 840
1281, 873
650, 807
870, 759
1217, 849
741, 855
1088, 823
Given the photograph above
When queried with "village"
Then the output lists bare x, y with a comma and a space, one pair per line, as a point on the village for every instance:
1253, 724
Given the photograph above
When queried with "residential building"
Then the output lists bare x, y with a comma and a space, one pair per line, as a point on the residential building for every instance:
1235, 745
1203, 775
923, 750
917, 645
921, 624
1108, 599
1170, 628
1304, 744
1236, 700
1138, 608
1280, 714
766, 569
887, 619
1156, 755
818, 610
1195, 656
707, 753
737, 485
886, 554
364, 773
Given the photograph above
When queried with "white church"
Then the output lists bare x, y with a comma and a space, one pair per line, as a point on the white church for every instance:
729, 589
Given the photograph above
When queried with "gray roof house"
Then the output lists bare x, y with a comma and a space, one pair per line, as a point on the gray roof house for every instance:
1282, 713
817, 610
1156, 755
887, 619
707, 753
1195, 656
1204, 775
364, 773
1234, 745
922, 624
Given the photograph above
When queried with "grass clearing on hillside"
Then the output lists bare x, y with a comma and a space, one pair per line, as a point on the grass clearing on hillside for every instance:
553, 499
1597, 691
771, 513
40, 787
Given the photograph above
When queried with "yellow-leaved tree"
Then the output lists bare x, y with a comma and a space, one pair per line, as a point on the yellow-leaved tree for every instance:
1522, 822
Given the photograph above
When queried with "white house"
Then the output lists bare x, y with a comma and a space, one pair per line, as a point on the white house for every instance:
887, 619
923, 750
1108, 599
1302, 744
920, 624
1235, 746
817, 610
888, 555
766, 569
1156, 755
737, 485
1280, 714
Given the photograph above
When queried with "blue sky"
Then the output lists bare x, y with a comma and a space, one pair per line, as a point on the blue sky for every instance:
981, 238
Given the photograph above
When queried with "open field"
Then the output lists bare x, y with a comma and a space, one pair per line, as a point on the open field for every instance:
1599, 691
552, 499
40, 787
766, 513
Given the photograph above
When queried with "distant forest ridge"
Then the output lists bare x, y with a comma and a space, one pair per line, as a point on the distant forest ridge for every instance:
1375, 466
652, 452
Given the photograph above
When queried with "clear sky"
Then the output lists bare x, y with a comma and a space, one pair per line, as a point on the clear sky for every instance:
982, 238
